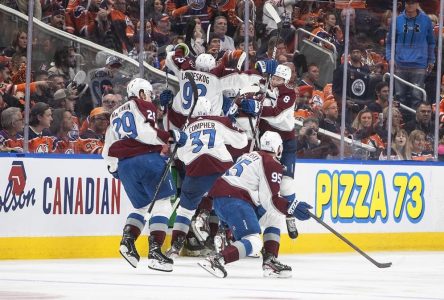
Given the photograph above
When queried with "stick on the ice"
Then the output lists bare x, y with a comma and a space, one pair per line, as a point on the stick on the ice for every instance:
190, 77
345, 240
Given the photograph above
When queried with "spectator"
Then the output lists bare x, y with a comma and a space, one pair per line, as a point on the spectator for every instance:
64, 63
40, 139
220, 30
57, 18
81, 20
155, 11
12, 125
382, 94
311, 145
358, 79
274, 41
20, 42
331, 113
195, 37
416, 147
110, 102
162, 34
423, 122
364, 131
381, 126
414, 52
98, 123
61, 125
399, 143
311, 77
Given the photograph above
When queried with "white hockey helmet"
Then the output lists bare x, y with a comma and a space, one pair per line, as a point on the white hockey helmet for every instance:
136, 85
205, 62
202, 108
272, 142
284, 72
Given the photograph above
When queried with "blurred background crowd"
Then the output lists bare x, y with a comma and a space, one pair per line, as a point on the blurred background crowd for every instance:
75, 87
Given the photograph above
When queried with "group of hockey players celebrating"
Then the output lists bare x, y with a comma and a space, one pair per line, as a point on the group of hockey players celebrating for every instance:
235, 155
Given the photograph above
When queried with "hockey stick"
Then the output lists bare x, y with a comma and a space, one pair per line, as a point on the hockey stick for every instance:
345, 240
275, 16
190, 77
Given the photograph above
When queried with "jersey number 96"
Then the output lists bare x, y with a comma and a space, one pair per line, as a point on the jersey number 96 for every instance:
187, 94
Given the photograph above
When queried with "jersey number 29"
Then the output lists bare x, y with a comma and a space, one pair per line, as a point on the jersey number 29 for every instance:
125, 126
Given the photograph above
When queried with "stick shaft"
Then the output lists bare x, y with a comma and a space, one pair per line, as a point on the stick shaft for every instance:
345, 240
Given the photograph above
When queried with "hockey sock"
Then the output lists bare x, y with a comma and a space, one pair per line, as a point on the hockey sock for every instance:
137, 222
272, 238
182, 222
214, 224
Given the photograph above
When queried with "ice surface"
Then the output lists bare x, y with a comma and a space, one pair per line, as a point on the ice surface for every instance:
414, 275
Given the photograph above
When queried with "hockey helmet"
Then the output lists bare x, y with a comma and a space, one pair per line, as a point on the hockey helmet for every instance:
205, 62
271, 142
136, 85
283, 72
202, 108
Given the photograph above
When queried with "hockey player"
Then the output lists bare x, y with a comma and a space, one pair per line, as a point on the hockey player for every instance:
206, 158
277, 116
132, 151
252, 184
209, 80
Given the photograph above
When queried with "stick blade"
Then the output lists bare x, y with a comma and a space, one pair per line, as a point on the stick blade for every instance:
384, 265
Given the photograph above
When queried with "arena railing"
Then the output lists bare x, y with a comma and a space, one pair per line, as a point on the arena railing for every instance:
92, 55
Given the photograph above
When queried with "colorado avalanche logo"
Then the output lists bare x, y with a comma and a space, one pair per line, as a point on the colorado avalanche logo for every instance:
17, 176
358, 87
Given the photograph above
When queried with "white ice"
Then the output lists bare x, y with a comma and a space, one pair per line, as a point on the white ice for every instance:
414, 275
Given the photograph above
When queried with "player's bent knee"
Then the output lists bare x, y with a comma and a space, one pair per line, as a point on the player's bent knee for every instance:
255, 241
162, 207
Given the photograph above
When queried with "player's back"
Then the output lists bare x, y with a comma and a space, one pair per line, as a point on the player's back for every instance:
208, 86
205, 151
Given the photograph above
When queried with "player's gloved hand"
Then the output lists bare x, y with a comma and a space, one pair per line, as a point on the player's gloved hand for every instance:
166, 97
267, 66
233, 112
179, 137
114, 173
250, 107
299, 209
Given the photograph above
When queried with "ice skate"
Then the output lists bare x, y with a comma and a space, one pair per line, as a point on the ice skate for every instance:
274, 268
214, 265
176, 247
127, 247
192, 246
156, 259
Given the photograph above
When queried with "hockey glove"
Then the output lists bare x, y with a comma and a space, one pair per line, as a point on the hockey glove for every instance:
179, 137
250, 107
233, 113
166, 97
114, 173
299, 210
267, 66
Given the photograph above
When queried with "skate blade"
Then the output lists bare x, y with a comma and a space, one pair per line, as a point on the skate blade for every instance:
206, 265
154, 264
130, 259
269, 273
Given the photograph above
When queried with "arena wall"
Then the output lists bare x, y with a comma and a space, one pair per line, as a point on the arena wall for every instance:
71, 207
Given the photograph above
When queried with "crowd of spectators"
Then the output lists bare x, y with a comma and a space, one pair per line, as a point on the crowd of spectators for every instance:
75, 114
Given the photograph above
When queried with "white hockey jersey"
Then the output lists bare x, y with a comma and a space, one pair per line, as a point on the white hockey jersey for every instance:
205, 152
278, 113
208, 85
255, 178
132, 131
